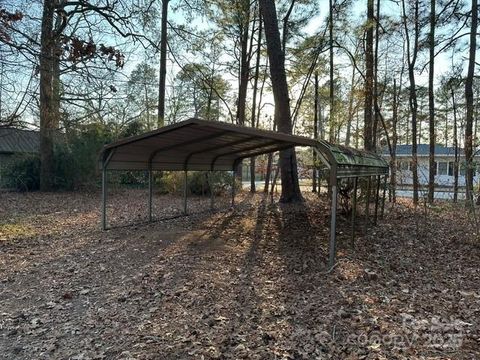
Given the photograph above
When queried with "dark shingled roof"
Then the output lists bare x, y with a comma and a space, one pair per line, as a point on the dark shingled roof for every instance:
424, 150
19, 141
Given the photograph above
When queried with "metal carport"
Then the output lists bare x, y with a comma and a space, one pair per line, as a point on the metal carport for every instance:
202, 145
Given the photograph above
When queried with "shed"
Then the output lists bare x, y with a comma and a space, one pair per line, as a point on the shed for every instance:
197, 144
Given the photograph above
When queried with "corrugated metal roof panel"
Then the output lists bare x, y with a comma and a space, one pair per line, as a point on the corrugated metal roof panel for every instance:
19, 141
197, 144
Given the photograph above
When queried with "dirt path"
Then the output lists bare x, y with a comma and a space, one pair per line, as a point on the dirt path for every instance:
248, 283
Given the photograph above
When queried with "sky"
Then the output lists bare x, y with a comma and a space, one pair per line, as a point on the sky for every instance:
443, 62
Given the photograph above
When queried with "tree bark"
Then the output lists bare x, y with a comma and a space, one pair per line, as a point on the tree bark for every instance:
163, 66
244, 73
413, 104
350, 108
254, 99
375, 77
368, 115
469, 103
244, 70
288, 162
315, 134
331, 85
47, 111
455, 145
268, 172
431, 104
393, 155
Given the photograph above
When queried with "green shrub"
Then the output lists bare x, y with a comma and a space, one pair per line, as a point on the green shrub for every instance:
76, 166
22, 173
75, 161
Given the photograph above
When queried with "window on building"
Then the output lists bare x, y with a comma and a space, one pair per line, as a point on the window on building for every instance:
442, 168
462, 169
450, 168
404, 165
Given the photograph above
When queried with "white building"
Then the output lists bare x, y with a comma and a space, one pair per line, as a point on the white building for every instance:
444, 162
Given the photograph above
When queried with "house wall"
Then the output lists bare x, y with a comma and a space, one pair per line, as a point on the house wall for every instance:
404, 175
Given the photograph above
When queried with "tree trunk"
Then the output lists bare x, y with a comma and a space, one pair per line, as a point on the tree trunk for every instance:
315, 134
469, 104
393, 155
288, 162
357, 129
268, 173
210, 94
375, 78
321, 122
350, 108
163, 66
455, 145
243, 76
413, 105
47, 99
368, 118
431, 104
254, 99
331, 136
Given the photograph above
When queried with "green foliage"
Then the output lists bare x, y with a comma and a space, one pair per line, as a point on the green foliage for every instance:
75, 158
198, 92
76, 166
142, 94
22, 173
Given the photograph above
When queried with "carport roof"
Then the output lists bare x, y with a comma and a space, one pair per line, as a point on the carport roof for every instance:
195, 144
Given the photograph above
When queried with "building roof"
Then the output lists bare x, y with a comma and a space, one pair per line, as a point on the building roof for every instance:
197, 144
14, 140
424, 150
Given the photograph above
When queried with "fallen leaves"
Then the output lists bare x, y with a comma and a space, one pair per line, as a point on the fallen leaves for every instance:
248, 283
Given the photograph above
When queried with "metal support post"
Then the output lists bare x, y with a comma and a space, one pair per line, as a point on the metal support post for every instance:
104, 198
383, 196
233, 188
185, 188
377, 199
333, 226
367, 203
212, 191
354, 209
150, 194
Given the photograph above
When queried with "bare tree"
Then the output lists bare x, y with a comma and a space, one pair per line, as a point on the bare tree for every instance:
254, 99
412, 53
368, 115
431, 104
469, 102
163, 65
288, 162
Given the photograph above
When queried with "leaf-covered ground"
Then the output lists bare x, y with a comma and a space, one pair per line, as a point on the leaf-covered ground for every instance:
245, 283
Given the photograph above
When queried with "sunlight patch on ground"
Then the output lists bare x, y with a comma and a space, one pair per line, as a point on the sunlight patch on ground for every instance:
350, 270
15, 230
